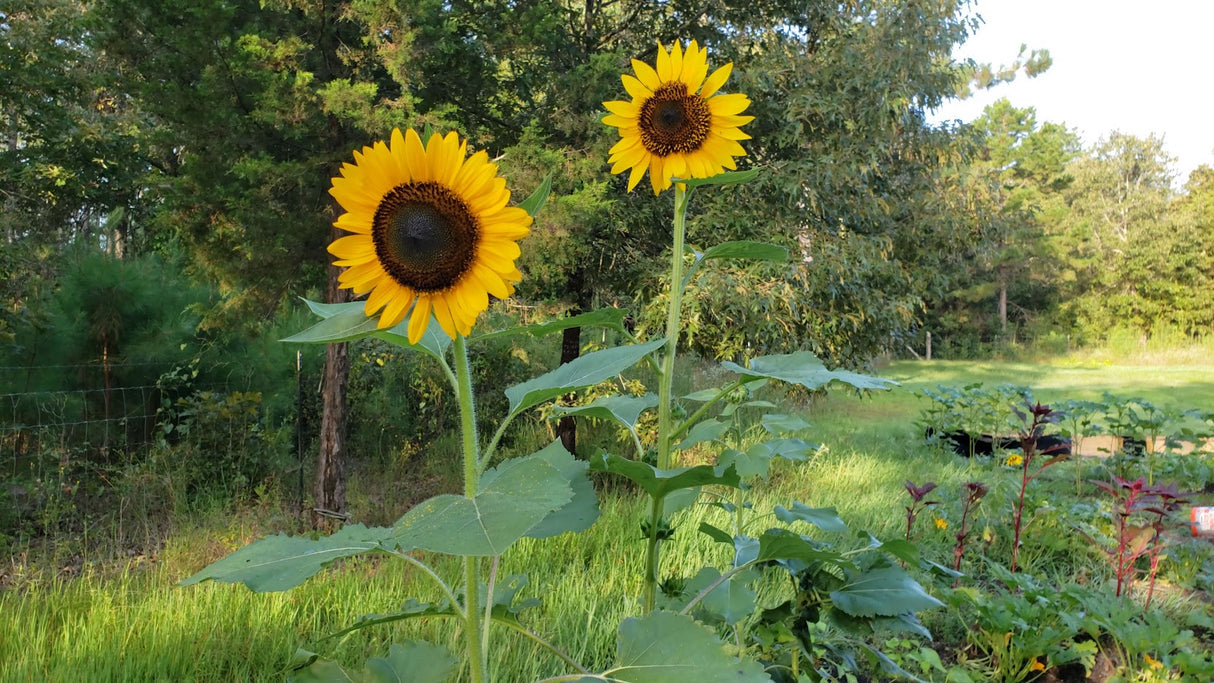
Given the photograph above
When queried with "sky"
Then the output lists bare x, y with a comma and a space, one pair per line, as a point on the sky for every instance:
1128, 65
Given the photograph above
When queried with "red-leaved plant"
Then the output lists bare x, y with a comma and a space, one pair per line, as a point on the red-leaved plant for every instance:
918, 504
1032, 427
1152, 503
972, 493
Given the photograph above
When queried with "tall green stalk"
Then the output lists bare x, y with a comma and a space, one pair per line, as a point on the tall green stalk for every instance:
472, 476
665, 389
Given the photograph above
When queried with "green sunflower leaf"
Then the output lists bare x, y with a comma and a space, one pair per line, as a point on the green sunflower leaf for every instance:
536, 201
727, 178
730, 601
623, 409
341, 323
826, 519
412, 609
280, 562
658, 483
745, 249
582, 510
887, 591
514, 497
583, 372
610, 318
409, 661
805, 369
348, 322
706, 430
663, 646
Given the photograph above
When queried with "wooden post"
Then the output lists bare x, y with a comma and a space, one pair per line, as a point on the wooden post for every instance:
928, 354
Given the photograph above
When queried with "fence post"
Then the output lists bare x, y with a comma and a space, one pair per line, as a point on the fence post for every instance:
299, 426
928, 354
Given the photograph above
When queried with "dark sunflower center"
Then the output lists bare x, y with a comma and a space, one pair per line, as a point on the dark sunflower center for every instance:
673, 121
425, 236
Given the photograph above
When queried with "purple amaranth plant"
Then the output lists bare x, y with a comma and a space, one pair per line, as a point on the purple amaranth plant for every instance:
1133, 540
1032, 426
918, 504
972, 493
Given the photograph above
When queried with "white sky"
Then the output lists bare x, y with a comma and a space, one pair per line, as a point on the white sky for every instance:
1129, 65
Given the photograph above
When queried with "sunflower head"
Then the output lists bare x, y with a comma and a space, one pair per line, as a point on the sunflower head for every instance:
431, 232
677, 124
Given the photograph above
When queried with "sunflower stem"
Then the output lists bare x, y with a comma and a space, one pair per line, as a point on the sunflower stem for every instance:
665, 389
473, 625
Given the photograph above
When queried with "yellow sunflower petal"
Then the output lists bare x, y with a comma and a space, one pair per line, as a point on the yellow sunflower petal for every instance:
380, 296
695, 67
728, 105
442, 313
490, 281
663, 65
352, 246
631, 159
491, 199
636, 88
626, 110
716, 80
415, 157
676, 62
397, 146
617, 121
356, 222
646, 74
393, 313
475, 176
732, 134
638, 172
419, 319
473, 298
722, 121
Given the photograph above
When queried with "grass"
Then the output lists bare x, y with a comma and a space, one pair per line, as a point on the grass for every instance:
128, 621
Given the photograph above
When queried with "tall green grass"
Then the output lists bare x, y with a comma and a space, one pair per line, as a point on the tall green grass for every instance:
130, 621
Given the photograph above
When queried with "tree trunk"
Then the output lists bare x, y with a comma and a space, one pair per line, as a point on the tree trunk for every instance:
571, 348
1002, 302
330, 492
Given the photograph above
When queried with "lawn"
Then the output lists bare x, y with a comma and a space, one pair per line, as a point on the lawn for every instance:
110, 620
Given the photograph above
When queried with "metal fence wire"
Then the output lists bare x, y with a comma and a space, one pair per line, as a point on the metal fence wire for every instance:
38, 418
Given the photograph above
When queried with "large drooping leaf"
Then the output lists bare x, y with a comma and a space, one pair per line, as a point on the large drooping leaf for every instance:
826, 519
347, 324
705, 430
726, 178
746, 249
348, 321
658, 483
582, 510
412, 609
730, 601
781, 544
805, 369
609, 318
623, 409
280, 562
664, 647
886, 591
409, 662
583, 372
779, 425
513, 498
756, 460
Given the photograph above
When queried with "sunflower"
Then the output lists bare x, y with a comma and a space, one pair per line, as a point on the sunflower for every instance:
677, 124
431, 230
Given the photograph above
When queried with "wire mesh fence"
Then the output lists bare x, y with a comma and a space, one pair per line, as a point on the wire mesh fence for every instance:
72, 411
